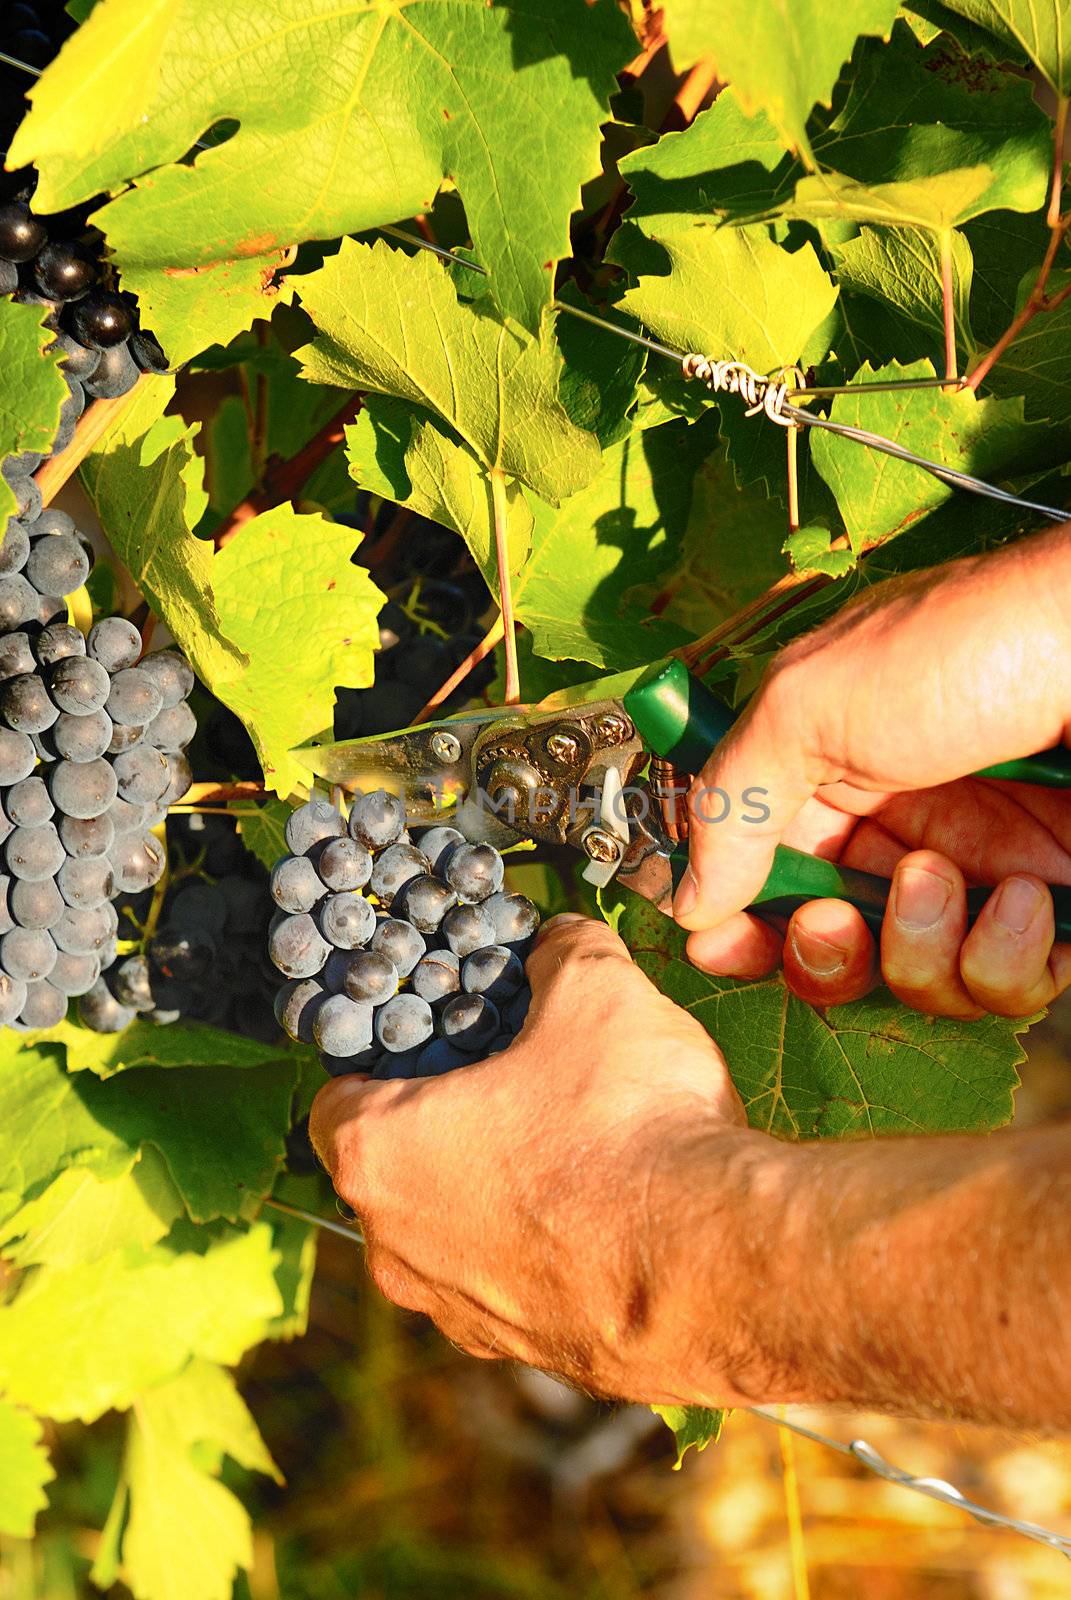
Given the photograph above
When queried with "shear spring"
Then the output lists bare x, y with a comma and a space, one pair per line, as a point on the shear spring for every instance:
670, 789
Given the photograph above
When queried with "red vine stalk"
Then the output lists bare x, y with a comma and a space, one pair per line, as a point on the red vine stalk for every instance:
505, 589
793, 473
491, 638
1037, 300
93, 424
283, 478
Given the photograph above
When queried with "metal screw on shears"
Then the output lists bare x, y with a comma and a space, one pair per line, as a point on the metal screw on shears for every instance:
600, 845
446, 747
611, 726
563, 747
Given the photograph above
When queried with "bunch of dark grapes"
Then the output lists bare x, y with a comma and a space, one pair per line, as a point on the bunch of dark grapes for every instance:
57, 263
202, 956
403, 959
91, 756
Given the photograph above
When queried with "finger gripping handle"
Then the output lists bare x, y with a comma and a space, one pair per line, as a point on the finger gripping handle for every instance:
796, 878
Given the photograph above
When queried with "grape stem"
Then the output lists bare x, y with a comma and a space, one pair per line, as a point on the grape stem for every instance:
1038, 299
283, 478
505, 591
491, 638
93, 424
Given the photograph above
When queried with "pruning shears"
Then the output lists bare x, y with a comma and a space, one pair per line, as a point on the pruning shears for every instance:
603, 768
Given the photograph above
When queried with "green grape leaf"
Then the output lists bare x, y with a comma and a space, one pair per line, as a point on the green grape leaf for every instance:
220, 1164
393, 323
184, 1535
189, 308
722, 163
145, 1044
809, 551
724, 291
871, 1067
305, 616
146, 484
1006, 246
81, 1217
878, 495
483, 95
407, 456
295, 1245
783, 59
600, 375
149, 1311
929, 18
24, 1471
272, 622
732, 548
693, 1427
48, 1125
901, 268
32, 391
921, 141
1038, 29
261, 830
915, 144
686, 24
595, 564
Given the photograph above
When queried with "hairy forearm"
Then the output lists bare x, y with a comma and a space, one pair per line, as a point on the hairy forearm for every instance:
927, 1276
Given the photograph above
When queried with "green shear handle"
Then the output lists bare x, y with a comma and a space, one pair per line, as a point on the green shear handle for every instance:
682, 720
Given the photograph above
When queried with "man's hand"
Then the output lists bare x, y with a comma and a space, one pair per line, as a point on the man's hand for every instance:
861, 733
539, 1205
592, 1202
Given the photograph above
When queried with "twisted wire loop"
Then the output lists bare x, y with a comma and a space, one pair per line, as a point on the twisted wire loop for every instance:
933, 1488
758, 393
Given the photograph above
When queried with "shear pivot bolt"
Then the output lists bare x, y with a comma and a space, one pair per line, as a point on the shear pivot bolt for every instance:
563, 747
600, 845
613, 727
446, 747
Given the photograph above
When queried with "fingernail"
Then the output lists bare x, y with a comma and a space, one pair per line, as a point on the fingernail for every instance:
818, 955
687, 894
559, 921
1017, 903
921, 898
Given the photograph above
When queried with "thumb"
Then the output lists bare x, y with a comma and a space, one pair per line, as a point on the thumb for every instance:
740, 805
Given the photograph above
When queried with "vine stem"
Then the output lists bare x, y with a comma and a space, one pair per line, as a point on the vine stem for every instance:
797, 1549
93, 424
491, 638
505, 590
1037, 300
217, 793
283, 478
792, 467
948, 306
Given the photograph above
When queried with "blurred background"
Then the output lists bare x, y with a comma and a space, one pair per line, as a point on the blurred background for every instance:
414, 1473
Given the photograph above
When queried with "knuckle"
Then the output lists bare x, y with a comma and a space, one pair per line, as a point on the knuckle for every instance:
394, 1282
576, 945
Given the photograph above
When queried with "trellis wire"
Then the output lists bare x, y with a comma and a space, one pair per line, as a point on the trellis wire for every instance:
858, 1449
933, 1488
779, 409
